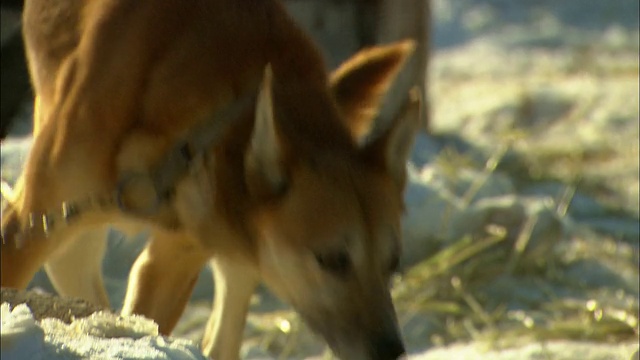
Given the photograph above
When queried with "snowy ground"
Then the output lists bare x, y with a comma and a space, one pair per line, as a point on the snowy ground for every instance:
535, 116
100, 336
107, 336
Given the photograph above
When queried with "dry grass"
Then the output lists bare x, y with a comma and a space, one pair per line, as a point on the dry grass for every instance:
446, 298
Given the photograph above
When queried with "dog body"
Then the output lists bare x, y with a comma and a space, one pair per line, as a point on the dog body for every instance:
296, 193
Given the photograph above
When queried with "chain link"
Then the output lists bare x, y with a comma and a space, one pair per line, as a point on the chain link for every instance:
163, 180
44, 223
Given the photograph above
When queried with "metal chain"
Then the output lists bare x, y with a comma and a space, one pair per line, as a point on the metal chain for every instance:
44, 223
162, 180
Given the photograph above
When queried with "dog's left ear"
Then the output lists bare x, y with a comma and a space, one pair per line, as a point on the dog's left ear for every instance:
392, 147
359, 84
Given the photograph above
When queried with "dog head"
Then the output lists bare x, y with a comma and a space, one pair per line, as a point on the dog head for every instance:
330, 189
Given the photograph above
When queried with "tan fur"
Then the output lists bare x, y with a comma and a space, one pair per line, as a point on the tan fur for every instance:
294, 195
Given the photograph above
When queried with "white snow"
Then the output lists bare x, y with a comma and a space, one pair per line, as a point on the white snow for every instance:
100, 336
108, 336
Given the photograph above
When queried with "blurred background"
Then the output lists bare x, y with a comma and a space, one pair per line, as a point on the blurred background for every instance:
522, 228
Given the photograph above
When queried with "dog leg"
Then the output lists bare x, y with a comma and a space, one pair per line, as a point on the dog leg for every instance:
235, 282
18, 265
163, 277
17, 268
78, 170
96, 101
38, 114
77, 269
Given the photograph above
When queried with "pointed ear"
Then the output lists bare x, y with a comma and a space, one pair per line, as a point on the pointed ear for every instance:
391, 150
264, 157
359, 84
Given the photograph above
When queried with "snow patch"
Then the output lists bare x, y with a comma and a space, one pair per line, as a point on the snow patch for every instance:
100, 336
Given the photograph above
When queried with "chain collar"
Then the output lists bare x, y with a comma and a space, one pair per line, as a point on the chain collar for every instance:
162, 180
43, 223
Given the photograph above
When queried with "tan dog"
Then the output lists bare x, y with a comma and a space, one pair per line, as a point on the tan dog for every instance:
290, 187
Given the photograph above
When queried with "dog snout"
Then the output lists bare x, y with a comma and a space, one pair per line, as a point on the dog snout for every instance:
387, 347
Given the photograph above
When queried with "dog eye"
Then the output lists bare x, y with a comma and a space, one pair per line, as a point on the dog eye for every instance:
335, 262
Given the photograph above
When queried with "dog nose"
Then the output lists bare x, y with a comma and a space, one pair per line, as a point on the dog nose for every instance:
386, 347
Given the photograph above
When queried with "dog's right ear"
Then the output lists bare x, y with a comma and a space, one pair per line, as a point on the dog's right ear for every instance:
263, 163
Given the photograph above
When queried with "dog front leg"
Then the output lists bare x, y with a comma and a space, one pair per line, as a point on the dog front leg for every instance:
21, 259
235, 282
77, 269
74, 171
163, 277
96, 100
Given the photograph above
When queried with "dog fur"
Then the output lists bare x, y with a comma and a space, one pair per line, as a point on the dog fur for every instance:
298, 194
